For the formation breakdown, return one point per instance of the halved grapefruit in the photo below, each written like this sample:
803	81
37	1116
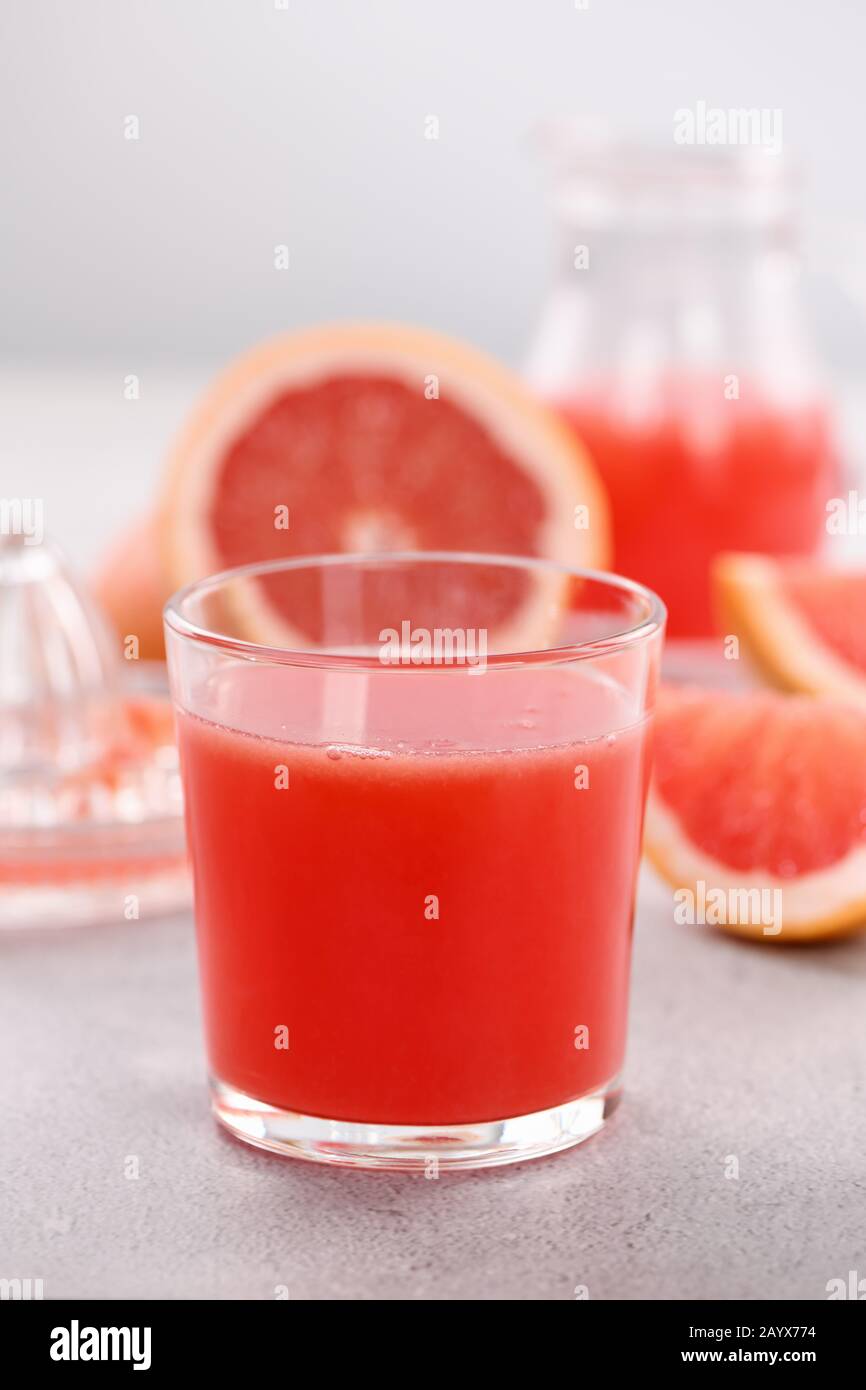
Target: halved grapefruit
130	586
375	438
801	622
762	792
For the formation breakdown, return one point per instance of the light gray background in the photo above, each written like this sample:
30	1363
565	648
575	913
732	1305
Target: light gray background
305	126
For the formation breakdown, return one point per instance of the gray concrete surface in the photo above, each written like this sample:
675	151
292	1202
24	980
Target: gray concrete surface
735	1050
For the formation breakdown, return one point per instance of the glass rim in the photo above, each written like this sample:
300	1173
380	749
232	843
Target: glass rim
634	634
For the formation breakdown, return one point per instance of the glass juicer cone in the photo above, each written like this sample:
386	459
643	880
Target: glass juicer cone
91	824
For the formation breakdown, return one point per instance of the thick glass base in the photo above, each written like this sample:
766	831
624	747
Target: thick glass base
428	1149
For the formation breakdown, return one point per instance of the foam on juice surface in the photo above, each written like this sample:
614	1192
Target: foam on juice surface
379	714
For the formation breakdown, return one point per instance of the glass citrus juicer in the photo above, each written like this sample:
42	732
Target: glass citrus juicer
91	825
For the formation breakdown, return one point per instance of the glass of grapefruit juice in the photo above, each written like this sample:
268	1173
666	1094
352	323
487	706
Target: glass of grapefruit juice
414	793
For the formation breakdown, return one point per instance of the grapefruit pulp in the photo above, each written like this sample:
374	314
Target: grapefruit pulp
763	791
375	438
802	623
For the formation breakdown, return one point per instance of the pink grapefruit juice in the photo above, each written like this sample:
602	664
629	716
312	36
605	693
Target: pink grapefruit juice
702	475
438	930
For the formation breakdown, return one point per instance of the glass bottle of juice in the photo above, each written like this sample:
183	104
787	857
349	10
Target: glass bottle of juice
673	341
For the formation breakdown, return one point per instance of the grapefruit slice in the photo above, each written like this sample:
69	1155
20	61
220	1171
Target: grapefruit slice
371	438
802	623
762	791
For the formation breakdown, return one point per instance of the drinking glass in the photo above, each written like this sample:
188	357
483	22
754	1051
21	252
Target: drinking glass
414	789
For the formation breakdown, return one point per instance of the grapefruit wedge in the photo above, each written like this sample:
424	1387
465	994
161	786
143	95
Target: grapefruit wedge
371	438
758	807
802	623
